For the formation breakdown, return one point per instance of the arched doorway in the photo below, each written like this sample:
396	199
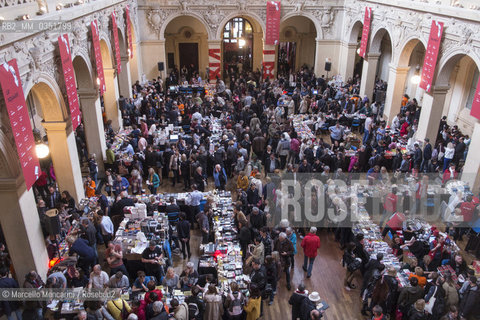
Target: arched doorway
356	38
400	79
238	46
46	101
376	67
186	47
297	44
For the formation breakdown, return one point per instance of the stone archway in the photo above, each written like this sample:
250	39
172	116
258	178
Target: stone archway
411	54
61	138
297	45
376	64
186	43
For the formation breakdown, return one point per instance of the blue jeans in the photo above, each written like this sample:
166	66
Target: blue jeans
18	314
310	264
446	163
366	135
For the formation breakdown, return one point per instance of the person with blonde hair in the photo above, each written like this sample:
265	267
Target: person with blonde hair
422	281
417	311
153	181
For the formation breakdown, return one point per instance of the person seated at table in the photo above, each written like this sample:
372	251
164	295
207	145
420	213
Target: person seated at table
118	280
98	278
422	281
76	278
152	288
188	277
141	282
56	280
170	280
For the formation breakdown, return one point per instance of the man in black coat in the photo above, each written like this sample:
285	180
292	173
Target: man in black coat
372	265
271	163
427	155
258	275
417	156
459	151
183	232
469	304
296	300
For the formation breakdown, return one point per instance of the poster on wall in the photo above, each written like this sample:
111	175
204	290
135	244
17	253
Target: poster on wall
365	32
273	23
117	43
98	57
475	112
268	69
19	121
69	76
431	55
129	31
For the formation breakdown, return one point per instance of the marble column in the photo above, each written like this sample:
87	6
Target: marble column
395	90
110	99
152	52
94	130
125	79
63	150
348	60
432	109
214	60
471	169
21	227
369	72
269	66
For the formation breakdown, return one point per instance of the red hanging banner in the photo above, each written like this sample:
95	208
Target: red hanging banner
273	22
129	31
117	43
98	56
365	32
69	76
431	55
475	112
19	121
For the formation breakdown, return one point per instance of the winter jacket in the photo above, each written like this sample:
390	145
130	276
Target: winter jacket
310	245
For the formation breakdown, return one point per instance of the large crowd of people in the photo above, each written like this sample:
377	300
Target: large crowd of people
257	142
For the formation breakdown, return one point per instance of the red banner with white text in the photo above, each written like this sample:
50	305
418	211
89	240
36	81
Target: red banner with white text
117	43
273	22
129	31
365	32
431	55
98	56
475	112
69	76
268	69
19	121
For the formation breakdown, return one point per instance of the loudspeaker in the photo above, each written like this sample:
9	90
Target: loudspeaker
328	66
52	222
161	66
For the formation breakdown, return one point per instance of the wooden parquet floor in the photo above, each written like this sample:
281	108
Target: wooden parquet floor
327	280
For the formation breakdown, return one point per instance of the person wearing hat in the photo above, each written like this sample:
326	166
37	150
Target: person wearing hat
309	304
296	300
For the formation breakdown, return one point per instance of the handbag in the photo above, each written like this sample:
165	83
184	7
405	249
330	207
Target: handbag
354	265
170	174
429	305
